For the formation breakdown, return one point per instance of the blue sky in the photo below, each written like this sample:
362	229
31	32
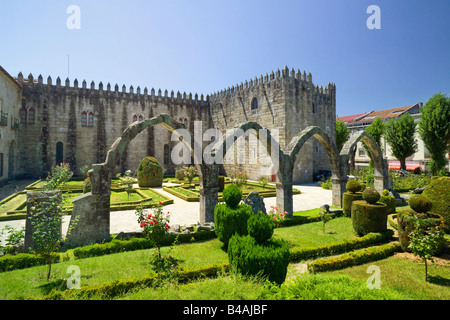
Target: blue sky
205	46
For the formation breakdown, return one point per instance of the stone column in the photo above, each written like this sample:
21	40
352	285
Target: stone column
209	188
337	191
284	198
38	199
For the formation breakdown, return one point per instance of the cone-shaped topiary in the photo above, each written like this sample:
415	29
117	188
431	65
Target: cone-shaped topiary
420	203
232	195
371	195
353	186
150	173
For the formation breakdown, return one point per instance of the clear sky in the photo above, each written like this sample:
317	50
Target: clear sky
203	46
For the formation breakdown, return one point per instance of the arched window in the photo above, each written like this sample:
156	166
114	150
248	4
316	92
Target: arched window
166	154
91	119
23	115
313	107
185	122
254	104
180	120
30	116
141	118
135	118
84	119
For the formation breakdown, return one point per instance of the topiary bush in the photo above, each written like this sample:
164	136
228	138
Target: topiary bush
388	200
260	227
228	221
371	195
367	218
269	259
420	203
353	186
179	174
150	173
438	192
347	200
232	195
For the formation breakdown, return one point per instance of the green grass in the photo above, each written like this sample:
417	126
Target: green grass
311	234
14	203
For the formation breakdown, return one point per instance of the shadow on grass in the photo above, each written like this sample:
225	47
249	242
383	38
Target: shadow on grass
441	281
59	285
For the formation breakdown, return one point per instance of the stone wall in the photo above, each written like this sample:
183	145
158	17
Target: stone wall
59	118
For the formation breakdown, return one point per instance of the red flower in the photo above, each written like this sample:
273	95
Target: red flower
143	223
160	203
151	222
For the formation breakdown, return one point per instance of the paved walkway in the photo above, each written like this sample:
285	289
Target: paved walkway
312	196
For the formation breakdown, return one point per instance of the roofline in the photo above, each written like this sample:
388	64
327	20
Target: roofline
11	77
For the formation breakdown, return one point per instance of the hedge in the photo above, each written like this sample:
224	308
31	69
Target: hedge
354	258
24	260
116	246
114	289
339	247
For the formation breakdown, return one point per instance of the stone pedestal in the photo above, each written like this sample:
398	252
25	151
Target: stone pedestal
284	198
36	199
90	220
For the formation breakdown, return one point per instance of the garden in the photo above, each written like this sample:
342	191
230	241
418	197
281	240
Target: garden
374	251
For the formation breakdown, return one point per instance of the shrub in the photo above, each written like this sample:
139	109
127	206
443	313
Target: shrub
389	201
260	227
179	174
420	203
438	192
150	173
232	195
353	186
367	218
228	221
270	259
371	195
347	200
87	185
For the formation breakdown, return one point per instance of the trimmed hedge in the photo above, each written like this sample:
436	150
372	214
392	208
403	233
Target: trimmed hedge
334	248
347	200
249	257
354	258
116	246
24	260
114	289
228	221
367	218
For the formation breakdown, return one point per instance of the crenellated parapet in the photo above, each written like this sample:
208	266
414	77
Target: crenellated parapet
299	79
110	92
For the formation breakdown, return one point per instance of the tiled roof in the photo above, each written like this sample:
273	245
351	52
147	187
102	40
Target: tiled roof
385	114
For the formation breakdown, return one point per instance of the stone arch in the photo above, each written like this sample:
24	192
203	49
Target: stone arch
381	175
284	186
91	212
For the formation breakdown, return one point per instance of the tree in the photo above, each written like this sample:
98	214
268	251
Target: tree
342	134
399	134
434	129
376	131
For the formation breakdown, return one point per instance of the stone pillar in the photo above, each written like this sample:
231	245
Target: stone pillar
337	191
90	220
38	199
284	198
209	189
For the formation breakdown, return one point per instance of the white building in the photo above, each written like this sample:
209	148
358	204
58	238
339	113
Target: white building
359	122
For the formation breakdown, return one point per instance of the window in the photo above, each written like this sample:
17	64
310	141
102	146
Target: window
23	115
254	105
91	119
135	118
185	121
166	154
361	152
141	118
59	153
84	119
313	107
30	116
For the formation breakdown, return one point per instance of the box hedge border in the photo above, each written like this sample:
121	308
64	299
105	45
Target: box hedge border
354	258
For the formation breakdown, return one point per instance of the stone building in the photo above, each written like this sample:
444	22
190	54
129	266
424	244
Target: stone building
77	123
10	101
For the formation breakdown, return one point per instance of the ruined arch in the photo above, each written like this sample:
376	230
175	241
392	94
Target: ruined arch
381	176
90	221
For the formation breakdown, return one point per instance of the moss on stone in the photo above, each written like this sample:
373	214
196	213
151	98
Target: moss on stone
150	173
